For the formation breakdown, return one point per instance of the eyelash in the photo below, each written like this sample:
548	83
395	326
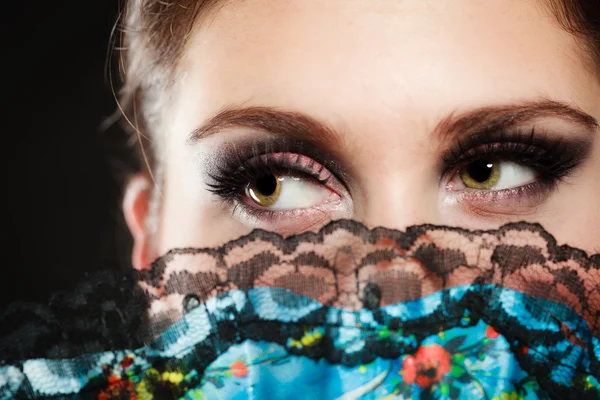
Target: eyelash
551	159
238	167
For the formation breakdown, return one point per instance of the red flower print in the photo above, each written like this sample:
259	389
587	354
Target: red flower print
239	369
491	333
118	388
126	362
428	365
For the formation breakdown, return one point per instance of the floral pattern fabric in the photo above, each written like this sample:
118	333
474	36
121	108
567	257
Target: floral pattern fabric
248	345
433	312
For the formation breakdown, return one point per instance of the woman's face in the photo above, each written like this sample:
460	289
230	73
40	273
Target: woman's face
288	114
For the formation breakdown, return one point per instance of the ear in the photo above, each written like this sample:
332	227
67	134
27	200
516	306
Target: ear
136	206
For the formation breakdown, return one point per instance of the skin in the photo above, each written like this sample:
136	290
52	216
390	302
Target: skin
384	76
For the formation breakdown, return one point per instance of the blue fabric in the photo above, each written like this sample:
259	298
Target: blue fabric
469	342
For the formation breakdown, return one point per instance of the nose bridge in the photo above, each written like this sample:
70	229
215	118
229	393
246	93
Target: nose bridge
396	168
400	195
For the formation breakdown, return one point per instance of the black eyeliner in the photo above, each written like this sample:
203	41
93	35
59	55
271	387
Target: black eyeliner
238	164
551	157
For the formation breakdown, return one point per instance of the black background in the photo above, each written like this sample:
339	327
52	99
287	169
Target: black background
60	168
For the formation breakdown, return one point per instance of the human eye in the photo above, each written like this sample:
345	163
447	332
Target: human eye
497	172
490	174
276	182
278	191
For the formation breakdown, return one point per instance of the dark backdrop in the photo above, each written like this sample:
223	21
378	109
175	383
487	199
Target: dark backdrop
62	212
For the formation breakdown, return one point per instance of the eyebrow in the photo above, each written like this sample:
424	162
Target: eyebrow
494	118
296	125
288	124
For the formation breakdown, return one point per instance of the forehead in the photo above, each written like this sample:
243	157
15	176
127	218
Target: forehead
385	57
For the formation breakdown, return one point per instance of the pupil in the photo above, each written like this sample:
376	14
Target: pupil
480	170
267	185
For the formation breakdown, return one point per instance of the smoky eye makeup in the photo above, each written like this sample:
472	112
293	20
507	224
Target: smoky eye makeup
500	171
273	177
504	167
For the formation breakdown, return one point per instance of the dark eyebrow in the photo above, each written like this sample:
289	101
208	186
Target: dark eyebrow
296	125
495	118
291	125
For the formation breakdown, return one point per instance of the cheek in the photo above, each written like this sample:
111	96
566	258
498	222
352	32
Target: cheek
582	232
187	215
576	216
572	215
194	222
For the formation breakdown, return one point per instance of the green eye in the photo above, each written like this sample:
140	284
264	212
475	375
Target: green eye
481	174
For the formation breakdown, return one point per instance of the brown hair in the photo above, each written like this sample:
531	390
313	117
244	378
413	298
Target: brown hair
154	32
